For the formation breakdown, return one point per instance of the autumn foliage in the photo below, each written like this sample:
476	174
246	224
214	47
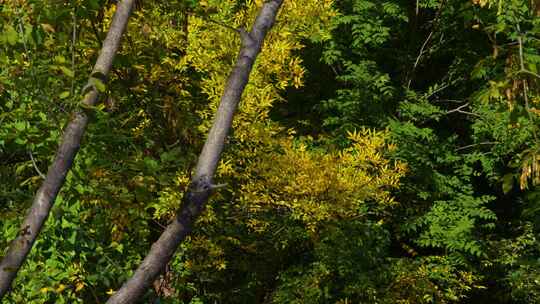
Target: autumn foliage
382	151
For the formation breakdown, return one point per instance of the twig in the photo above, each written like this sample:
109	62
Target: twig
21	29
421	52
218	186
459	110
220	23
93	291
527	107
438	90
529	72
96	32
172	145
159	224
279	230
29	58
418	58
73	40
478	144
35	165
525	86
449	100
334	69
520	43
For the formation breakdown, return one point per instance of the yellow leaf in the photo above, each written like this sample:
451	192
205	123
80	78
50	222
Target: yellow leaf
48	28
60	288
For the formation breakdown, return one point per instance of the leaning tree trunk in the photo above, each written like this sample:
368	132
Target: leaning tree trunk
201	184
71	140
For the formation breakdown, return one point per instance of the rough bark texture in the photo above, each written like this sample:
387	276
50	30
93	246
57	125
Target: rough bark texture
201	185
71	140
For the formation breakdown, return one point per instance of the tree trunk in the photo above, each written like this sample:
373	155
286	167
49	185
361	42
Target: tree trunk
71	140
201	184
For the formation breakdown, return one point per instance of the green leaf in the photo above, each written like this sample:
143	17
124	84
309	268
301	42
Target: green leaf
80	189
99	107
72	237
10	35
43	116
59	59
69	73
66	224
64	95
151	164
19	125
100	85
21	168
21	141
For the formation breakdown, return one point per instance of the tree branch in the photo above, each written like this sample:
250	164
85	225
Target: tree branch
223	24
459	110
73	41
529	73
450	100
525	85
69	146
428	39
201	184
478	144
96	32
35	165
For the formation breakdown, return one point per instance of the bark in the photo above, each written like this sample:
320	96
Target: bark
69	146
201	185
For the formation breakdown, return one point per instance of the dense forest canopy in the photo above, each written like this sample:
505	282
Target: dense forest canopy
383	151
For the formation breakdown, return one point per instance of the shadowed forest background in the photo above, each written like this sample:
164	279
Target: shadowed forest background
384	151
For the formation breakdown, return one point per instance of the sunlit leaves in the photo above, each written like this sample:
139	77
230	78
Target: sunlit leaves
9	36
316	187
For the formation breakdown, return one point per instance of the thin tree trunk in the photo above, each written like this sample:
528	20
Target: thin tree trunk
201	184
71	140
